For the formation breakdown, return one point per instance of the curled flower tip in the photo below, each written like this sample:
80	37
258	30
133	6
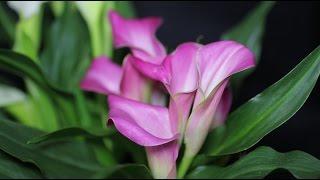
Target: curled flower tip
138	35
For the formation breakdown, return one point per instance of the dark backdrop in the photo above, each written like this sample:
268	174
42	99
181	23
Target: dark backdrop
292	32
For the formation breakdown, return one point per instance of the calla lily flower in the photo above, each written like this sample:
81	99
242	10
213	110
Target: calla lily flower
162	160
196	76
126	88
216	62
94	13
139	36
103	77
223	108
144	124
202	71
178	72
26	8
149	126
108	78
28	28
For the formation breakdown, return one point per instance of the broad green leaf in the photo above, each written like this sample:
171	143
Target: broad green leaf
125	171
251	29
26	113
250	33
10	95
37	110
72	132
260	162
25	44
103	151
203	159
44	108
27	36
7	23
23	66
266	111
11	168
60	160
66	54
94	135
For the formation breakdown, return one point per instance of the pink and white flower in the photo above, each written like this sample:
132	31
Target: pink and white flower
196	78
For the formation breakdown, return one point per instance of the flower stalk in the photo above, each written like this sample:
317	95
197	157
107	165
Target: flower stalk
184	166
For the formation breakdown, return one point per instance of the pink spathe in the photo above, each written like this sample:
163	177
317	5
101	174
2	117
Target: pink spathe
195	76
138	35
216	63
103	77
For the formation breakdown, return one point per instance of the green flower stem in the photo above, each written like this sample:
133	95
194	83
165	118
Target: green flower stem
184	165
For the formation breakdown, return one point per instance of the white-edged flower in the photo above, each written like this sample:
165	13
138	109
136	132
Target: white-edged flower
25	8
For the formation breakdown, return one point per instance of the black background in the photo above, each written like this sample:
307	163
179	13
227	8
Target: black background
292	32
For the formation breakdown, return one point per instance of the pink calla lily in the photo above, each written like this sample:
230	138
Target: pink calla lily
223	108
106	77
133	84
162	160
144	124
149	126
128	88
196	76
178	72
103	77
216	62
138	35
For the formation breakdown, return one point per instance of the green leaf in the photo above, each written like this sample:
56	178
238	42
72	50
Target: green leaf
10	95
250	33
28	35
260	163
62	134
7	23
125	171
59	160
11	168
37	110
23	66
250	30
26	113
266	111
44	109
66	55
